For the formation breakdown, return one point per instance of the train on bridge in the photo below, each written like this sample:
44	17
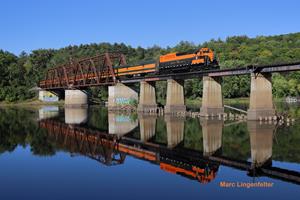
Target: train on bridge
202	59
110	68
101	69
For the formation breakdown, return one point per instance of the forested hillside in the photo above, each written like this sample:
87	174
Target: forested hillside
20	73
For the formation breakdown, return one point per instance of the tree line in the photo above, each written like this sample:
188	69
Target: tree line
18	74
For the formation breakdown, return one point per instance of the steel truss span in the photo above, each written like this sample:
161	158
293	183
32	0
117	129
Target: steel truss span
92	71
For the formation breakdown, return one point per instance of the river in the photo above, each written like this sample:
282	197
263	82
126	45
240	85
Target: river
89	153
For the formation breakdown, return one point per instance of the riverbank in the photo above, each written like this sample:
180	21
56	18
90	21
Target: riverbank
243	100
31	102
189	102
198	101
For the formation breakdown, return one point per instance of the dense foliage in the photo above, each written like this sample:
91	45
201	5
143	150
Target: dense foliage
18	74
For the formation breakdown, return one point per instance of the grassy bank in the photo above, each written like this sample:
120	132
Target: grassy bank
244	100
30	102
189	102
197	102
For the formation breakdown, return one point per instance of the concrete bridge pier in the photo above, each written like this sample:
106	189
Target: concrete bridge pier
212	135
175	130
76	98
147	127
261	141
49	96
175	97
261	102
121	97
212	99
147	101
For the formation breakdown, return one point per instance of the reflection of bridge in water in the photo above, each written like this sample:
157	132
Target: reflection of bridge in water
111	147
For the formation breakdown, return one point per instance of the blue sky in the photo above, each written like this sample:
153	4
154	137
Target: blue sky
34	24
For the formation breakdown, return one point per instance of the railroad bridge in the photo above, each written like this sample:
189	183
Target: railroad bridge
111	69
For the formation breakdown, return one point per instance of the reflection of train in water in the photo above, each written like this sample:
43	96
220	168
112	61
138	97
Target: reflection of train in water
109	150
204	173
199	60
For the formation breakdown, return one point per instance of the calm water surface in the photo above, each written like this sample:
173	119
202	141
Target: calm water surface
89	153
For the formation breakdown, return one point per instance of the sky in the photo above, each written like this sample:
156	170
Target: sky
35	24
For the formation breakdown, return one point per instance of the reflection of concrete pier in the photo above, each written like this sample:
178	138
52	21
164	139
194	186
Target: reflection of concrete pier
212	135
121	124
76	115
175	130
261	139
147	126
47	112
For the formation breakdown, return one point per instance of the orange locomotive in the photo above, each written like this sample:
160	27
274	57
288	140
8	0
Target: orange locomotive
204	57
